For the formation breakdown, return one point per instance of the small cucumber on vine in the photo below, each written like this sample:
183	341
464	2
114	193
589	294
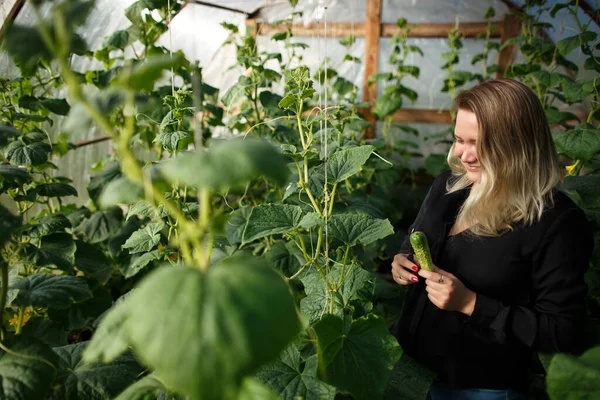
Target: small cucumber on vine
418	241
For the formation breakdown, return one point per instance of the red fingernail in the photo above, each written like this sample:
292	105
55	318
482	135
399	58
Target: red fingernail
414	279
415	268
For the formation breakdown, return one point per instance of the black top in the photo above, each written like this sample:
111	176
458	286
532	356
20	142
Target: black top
530	294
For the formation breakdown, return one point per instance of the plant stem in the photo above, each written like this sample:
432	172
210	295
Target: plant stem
20	320
4	272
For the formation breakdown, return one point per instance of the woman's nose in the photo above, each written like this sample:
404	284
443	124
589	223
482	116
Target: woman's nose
468	156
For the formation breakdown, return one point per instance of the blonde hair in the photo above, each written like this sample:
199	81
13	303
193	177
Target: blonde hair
519	165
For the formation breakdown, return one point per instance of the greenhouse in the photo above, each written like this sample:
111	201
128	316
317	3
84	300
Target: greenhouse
300	199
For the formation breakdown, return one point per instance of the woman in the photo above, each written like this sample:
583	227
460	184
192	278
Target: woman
511	249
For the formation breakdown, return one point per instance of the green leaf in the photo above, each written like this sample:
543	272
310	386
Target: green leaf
236	225
120	191
174	141
252	389
514	70
8	223
358	287
233	94
574	378
271	219
436	163
582	143
343	86
50	224
99	181
51	291
287	102
144	75
145	209
78	380
291	378
56	249
286	257
567	45
358	356
587	187
215	347
353	229
409	380
57	106
117	40
55	189
138	263
387	104
147	388
218	169
555	116
572	91
92	261
28	370
144	239
7	132
345	163
548	79
28	150
269	99
102	225
47	331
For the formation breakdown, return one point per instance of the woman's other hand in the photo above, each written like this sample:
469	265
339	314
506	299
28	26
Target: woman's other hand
447	292
401	270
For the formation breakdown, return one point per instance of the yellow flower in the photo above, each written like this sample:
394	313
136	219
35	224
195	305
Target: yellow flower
14	321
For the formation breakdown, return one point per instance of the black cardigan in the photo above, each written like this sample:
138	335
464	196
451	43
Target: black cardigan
530	294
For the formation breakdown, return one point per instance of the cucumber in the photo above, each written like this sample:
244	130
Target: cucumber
418	241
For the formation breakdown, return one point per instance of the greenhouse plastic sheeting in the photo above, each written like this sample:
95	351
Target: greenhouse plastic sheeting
435	11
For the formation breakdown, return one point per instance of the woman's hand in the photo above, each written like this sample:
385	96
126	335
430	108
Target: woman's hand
401	267
447	292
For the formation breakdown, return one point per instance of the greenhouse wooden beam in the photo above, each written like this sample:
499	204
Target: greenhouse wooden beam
423	115
343	29
10	18
438	30
372	34
510	29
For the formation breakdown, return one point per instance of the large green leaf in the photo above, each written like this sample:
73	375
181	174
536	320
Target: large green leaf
8	223
120	191
173	141
345	163
28	370
138	263
78	380
7	132
28	150
357	289
228	322
253	389
51	291
81	316
574	378
98	182
148	388
410	380
55	249
572	91
292	378
102	225
353	229
50	224
144	75
582	143
144	239
236	224
92	261
387	104
567	45
587	187
47	331
286	257
55	189
227	164
271	219
11	173
358	356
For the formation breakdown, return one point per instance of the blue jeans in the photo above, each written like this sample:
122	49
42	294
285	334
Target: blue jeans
439	391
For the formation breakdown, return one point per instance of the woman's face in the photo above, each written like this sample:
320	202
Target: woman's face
466	132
